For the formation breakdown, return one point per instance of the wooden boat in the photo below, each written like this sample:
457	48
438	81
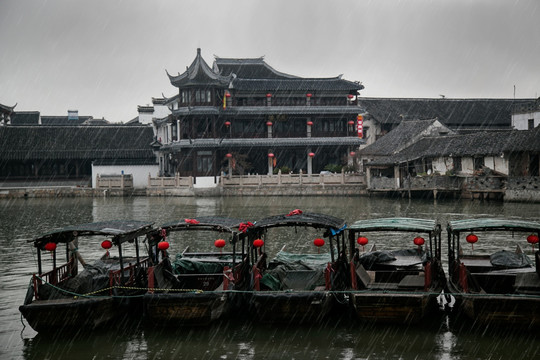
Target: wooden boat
300	290
494	286
65	298
194	287
393	282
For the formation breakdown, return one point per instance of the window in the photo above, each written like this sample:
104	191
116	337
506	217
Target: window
530	124
478	163
457	163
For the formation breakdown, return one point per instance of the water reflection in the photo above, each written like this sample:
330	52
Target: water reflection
22	220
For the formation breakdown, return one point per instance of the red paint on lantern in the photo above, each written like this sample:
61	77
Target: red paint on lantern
228	95
309	95
268	95
227	123
532	239
219	243
310	123
106	244
350	96
269	123
352	153
229	155
350	122
419	241
163	245
362	240
471	238
318	242
270	155
311	154
258	243
50	246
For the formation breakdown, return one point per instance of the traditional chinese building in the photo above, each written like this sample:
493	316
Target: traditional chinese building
243	116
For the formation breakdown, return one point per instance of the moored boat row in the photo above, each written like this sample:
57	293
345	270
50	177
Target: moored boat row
387	270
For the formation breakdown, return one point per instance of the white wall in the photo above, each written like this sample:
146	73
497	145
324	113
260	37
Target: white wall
521	121
496	163
139	172
467	166
442	165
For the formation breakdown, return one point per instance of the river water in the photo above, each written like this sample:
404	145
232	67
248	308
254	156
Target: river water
441	338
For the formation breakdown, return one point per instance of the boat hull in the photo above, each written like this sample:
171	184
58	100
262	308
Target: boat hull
289	307
69	314
185	308
507	310
394	308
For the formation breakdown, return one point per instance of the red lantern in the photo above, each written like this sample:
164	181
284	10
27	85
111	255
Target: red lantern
310	123
419	241
318	242
106	244
532	239
228	155
352	153
471	238
270	155
163	245
268	95
228	94
258	243
219	243
309	95
311	154
362	240
350	96
50	246
227	123
269	123
350	122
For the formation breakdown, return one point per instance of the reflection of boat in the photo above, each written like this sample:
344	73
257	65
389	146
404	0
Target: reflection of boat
193	288
396	286
501	287
64	298
297	287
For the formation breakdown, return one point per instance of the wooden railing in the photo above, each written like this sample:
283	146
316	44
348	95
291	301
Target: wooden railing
55	276
115	276
114	181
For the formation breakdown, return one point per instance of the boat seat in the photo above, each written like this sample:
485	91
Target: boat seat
412	282
527	282
301	279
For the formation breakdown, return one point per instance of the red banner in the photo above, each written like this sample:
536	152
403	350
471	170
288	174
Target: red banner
360	126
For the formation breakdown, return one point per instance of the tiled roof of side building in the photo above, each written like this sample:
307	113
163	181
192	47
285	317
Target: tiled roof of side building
63	120
25	118
75	142
454	113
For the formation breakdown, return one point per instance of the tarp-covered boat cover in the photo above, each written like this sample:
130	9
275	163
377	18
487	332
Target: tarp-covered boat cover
511	260
189	265
299	218
119	231
493	224
215	223
396	224
289	271
373	258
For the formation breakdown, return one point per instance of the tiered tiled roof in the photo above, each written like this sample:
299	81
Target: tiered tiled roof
299	84
255	68
75	142
199	73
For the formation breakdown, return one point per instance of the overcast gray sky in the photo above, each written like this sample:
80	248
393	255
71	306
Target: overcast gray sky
105	57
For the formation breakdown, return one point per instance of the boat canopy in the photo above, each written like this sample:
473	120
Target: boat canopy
214	223
396	224
485	224
120	231
298	218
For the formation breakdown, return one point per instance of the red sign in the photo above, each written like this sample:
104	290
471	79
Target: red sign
360	126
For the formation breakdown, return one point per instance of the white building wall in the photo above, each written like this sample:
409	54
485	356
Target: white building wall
442	165
139	173
467	166
496	163
161	111
521	121
145	117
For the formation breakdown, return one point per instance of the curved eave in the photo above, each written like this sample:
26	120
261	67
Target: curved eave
261	143
269	110
317	221
458	226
